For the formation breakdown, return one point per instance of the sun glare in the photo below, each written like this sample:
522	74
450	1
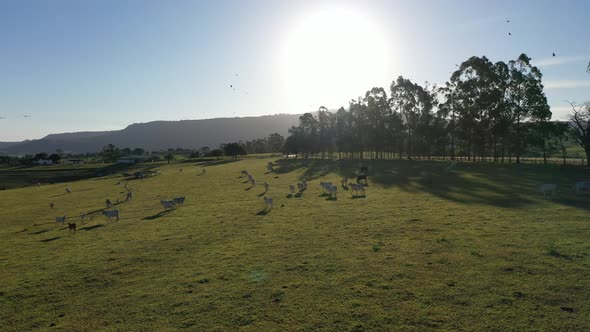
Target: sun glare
333	55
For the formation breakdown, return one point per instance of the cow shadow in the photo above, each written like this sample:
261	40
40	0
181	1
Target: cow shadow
39	232
331	198
157	215
89	228
51	239
262	194
263	212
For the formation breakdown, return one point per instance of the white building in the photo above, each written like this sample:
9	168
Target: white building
44	162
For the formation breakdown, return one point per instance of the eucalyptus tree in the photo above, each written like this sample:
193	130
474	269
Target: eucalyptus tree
377	107
524	88
580	127
412	101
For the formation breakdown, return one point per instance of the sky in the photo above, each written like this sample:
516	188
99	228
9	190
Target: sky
81	65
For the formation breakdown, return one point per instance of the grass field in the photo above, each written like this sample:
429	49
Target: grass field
476	248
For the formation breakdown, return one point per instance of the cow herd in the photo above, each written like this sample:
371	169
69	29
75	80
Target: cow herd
113	214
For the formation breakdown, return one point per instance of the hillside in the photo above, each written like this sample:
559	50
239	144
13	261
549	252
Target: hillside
159	135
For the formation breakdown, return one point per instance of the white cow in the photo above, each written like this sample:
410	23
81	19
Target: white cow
168	204
268	203
111	214
332	190
68	190
178	200
358	188
60	220
548	188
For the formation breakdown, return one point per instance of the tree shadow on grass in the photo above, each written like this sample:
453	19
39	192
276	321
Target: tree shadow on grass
51	239
157	215
89	228
495	184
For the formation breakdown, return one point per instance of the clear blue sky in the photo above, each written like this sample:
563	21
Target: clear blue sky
98	65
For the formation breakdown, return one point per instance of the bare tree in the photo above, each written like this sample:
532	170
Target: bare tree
580	126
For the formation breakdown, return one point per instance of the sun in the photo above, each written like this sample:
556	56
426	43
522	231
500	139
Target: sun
333	55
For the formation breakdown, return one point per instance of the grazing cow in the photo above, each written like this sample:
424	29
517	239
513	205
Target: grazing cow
68	190
178	200
244	172
548	188
304	181
332	190
582	186
357	188
111	214
268	203
51	205
362	179
291	189
326	186
108	203
72	227
266	185
301	187
344	182
60	220
252	182
129	196
168	204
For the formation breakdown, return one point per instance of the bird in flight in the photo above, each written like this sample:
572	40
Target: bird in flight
507	21
509	34
588	70
553	54
27	116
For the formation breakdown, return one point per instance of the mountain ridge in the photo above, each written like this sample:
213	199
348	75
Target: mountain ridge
160	134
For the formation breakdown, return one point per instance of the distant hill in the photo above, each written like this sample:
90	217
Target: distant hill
159	135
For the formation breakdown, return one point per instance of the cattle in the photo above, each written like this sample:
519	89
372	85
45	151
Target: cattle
270	167
357	188
301	187
51	205
361	179
68	190
60	220
344	182
548	188
72	227
180	170
108	203
252	182
332	190
178	200
268	203
291	189
129	196
326	186
204	171
304	181
244	172
168	204
111	214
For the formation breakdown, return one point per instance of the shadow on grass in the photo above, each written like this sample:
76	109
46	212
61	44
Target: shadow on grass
157	215
262	194
89	228
51	239
40	232
263	212
495	184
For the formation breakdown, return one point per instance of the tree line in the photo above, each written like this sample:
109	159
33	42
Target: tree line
484	111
